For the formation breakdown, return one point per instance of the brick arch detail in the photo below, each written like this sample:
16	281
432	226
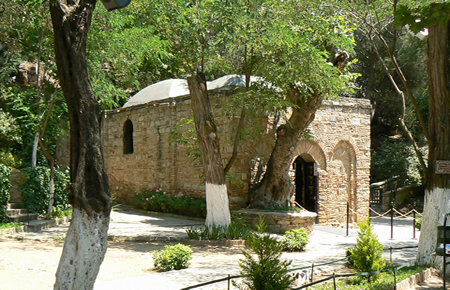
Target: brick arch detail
349	161
314	149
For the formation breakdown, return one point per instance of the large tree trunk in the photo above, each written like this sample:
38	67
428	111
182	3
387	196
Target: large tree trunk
276	189
86	240
217	207
437	192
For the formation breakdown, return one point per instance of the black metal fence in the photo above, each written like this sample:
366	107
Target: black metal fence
333	277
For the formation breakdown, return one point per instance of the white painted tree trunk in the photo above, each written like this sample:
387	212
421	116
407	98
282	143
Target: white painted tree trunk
84	250
34	152
217	208
437	204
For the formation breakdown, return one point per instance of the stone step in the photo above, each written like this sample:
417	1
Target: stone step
23	217
17	211
39	225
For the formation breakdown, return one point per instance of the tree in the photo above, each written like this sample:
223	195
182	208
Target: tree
436	18
191	27
86	241
304	59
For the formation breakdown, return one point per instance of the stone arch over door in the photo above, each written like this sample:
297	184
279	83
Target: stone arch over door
309	158
344	154
313	149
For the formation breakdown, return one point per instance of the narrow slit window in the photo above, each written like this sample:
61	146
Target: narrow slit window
128	137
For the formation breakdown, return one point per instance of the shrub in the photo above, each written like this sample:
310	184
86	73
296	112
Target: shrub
35	190
366	255
172	257
158	200
268	271
419	223
295	240
5	184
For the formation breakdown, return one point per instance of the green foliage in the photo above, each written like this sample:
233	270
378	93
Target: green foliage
10	225
5	184
9	130
396	159
268	270
384	280
35	190
158	200
366	255
172	257
423	15
419	223
59	213
237	230
295	240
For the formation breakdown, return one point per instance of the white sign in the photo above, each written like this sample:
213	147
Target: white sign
442	167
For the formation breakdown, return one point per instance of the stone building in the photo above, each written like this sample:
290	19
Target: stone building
331	167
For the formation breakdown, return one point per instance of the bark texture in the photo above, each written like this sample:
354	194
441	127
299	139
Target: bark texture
437	192
276	189
209	144
86	240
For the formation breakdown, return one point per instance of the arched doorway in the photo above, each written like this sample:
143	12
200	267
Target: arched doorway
306	182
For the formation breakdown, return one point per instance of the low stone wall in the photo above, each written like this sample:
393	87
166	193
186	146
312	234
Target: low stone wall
278	221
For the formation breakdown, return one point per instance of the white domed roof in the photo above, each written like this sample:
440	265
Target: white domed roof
172	88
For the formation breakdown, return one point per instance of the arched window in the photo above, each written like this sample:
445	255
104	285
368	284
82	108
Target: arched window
128	137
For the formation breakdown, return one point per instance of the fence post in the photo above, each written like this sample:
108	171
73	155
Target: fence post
392	220
414	221
348	216
334	281
390	254
229	280
312	272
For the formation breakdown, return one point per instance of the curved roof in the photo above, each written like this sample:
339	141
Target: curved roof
172	88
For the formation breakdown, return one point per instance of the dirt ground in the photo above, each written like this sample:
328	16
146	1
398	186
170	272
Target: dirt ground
31	264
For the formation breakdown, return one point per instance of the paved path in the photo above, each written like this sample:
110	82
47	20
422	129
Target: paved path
326	244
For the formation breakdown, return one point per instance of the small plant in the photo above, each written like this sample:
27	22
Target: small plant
419	223
10	225
268	270
238	229
172	257
295	240
366	255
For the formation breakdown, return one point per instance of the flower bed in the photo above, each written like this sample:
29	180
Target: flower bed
158	200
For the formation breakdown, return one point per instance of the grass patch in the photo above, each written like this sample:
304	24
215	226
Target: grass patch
10	225
237	230
383	281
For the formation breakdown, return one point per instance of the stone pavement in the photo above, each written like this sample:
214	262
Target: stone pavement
326	244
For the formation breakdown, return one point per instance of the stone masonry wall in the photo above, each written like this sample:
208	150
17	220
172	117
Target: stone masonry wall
340	146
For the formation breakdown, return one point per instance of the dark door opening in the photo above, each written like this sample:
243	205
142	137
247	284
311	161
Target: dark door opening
306	184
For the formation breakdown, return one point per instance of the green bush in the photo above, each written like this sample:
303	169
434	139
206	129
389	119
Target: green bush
158	200
5	184
366	255
172	257
295	240
35	190
268	270
419	223
237	230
